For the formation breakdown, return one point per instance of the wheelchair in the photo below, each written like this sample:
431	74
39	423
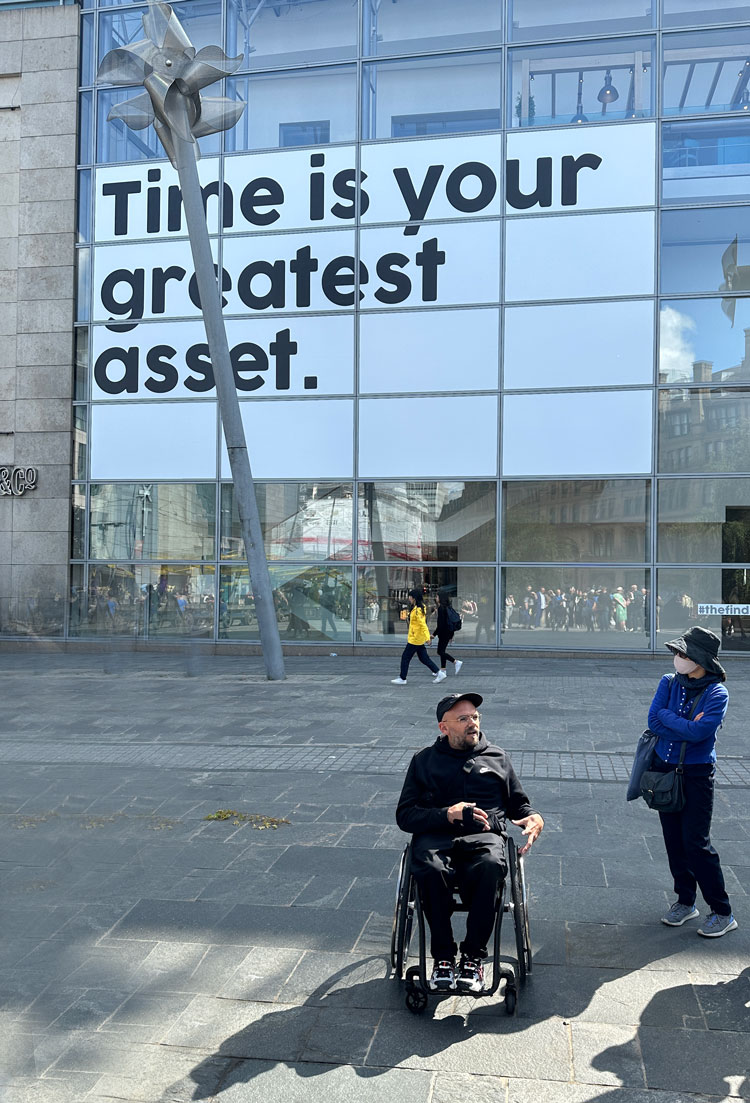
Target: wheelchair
409	915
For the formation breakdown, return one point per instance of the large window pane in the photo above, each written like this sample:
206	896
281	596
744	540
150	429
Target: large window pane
148	602
291	33
152	521
691	13
417	25
578	345
704	521
682	592
298	108
443	95
299	521
312	603
578	433
532	20
704	340
600	608
382	601
706	71
577	522
595	81
35	604
705	160
123	26
705	250
80	441
450	521
78	523
706	429
117	142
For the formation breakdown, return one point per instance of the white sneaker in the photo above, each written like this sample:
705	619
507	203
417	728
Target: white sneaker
398	681
440	677
457	665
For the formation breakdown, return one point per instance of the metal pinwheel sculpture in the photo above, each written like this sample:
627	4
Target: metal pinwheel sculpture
173	74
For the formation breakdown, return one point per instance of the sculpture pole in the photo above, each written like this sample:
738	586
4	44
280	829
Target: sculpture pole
173	73
229	408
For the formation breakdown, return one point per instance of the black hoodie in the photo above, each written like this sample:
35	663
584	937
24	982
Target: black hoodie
439	777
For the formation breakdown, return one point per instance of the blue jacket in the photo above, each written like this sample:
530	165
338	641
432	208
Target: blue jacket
668	714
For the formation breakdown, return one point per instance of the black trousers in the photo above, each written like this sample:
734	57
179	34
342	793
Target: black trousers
442	644
420	651
693	862
477	865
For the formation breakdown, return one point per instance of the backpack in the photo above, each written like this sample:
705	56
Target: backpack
454	620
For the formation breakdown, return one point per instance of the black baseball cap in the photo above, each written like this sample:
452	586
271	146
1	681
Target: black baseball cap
453	699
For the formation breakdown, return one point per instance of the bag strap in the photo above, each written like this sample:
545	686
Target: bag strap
693	711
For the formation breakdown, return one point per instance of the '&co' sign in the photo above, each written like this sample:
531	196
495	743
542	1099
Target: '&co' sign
15	481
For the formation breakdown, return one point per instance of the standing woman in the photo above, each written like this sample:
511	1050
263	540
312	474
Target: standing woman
418	636
444	634
695	689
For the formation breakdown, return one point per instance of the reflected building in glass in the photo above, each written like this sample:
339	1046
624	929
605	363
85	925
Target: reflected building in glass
486	278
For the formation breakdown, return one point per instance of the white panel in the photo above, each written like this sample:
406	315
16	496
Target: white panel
291	439
301	184
322	363
444	264
588	256
400	190
613	183
123	215
589	433
414	351
579	344
166	440
417	438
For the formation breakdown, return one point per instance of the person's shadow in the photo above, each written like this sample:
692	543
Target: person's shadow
345	1021
691	1040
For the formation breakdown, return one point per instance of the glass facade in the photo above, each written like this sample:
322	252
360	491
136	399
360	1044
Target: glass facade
475	350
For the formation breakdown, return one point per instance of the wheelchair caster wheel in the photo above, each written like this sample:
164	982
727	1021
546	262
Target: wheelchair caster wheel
416	1000
510	1000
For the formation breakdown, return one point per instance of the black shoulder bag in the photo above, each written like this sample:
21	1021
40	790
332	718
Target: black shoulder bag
665	792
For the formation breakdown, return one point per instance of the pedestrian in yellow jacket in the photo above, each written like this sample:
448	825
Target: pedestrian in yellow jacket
418	636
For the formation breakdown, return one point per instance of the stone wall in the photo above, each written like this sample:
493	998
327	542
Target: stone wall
38	117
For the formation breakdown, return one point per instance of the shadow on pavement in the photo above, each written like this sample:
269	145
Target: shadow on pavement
365	1026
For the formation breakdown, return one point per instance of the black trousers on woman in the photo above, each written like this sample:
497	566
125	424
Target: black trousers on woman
693	862
442	643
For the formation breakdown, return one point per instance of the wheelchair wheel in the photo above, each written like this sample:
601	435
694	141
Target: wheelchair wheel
403	919
416	999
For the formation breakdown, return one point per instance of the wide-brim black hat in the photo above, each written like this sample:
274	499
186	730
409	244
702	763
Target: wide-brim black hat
702	646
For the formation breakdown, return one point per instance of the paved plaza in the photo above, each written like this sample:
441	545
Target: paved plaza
151	954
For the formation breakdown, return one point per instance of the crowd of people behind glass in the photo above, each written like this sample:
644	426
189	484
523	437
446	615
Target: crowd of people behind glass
624	609
318	606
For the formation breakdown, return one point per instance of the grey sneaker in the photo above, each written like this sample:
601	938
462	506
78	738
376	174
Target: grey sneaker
714	925
679	914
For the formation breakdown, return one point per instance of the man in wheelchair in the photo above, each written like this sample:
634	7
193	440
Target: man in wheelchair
454	802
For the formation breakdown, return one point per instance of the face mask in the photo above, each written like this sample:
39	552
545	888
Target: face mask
684	666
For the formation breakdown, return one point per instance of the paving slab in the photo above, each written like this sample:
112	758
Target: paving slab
153	955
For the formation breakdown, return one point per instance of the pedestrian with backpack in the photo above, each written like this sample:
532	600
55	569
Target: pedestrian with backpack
448	623
417	638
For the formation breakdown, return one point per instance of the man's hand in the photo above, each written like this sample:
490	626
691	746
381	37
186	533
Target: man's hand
456	813
532	826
